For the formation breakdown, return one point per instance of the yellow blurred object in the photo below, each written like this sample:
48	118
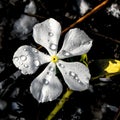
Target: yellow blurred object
113	67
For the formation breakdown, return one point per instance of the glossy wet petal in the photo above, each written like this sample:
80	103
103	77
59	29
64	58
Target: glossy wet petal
76	42
75	74
28	59
46	87
47	34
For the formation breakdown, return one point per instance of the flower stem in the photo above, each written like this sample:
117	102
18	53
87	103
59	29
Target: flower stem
101	5
60	104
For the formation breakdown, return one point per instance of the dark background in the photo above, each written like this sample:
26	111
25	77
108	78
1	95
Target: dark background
100	102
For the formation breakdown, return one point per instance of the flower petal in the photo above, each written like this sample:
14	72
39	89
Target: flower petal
75	74
47	34
28	59
76	43
46	87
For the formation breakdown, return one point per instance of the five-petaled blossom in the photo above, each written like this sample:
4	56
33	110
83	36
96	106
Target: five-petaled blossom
46	86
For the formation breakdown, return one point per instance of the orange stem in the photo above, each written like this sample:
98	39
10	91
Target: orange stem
86	15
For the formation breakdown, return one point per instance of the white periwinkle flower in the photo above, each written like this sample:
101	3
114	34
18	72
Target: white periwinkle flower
46	86
24	24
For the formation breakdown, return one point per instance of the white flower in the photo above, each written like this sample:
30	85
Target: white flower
114	10
46	86
23	26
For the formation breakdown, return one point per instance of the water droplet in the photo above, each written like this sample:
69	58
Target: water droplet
61	65
65	73
76	78
51	69
25	49
35	51
53	47
26	66
66	53
21	63
23	58
16	58
72	74
79	81
46	82
48	73
50	34
37	63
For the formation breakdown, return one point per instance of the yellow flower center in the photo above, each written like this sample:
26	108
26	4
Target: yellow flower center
54	58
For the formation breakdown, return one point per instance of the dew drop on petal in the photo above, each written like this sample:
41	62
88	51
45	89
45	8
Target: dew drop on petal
53	47
65	53
79	81
61	65
46	82
48	73
35	51
51	69
72	74
16	58
25	49
76	78
37	63
23	58
26	66
21	63
65	73
50	34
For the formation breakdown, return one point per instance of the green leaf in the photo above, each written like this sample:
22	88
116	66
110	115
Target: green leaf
104	68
